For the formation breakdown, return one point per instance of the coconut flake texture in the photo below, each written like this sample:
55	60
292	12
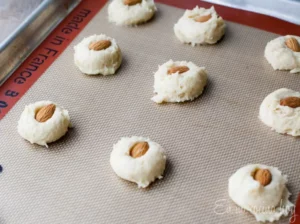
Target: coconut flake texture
142	170
187	30
281	57
178	87
282	119
92	62
42	133
122	14
267	203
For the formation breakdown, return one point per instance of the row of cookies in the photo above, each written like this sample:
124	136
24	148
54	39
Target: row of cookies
197	26
204	26
257	188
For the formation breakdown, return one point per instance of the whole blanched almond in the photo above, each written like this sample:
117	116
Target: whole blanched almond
131	2
263	176
291	101
99	45
139	149
293	44
45	113
179	69
202	19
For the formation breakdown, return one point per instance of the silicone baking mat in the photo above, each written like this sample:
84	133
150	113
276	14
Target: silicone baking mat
206	140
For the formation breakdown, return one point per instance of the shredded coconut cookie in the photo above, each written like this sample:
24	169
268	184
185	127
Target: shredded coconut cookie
283	53
43	122
261	190
98	54
280	110
200	26
178	82
138	159
131	12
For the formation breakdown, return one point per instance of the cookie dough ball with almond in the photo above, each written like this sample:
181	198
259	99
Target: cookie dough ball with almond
283	53
43	122
200	26
138	159
280	110
131	12
98	54
261	190
178	81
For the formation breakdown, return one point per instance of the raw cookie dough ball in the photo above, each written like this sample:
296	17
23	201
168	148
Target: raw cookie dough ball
138	160
178	82
280	110
43	122
200	26
260	190
283	53
131	12
98	54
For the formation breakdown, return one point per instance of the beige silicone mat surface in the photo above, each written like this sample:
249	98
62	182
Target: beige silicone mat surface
206	140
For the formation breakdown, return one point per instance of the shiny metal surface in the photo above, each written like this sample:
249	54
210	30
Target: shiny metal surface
35	28
288	10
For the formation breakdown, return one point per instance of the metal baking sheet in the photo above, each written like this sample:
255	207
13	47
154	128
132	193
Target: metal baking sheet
206	140
283	9
30	33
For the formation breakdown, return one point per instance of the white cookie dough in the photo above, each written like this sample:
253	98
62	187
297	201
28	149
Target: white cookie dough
123	14
281	118
281	57
94	62
177	87
141	170
266	203
188	30
42	133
